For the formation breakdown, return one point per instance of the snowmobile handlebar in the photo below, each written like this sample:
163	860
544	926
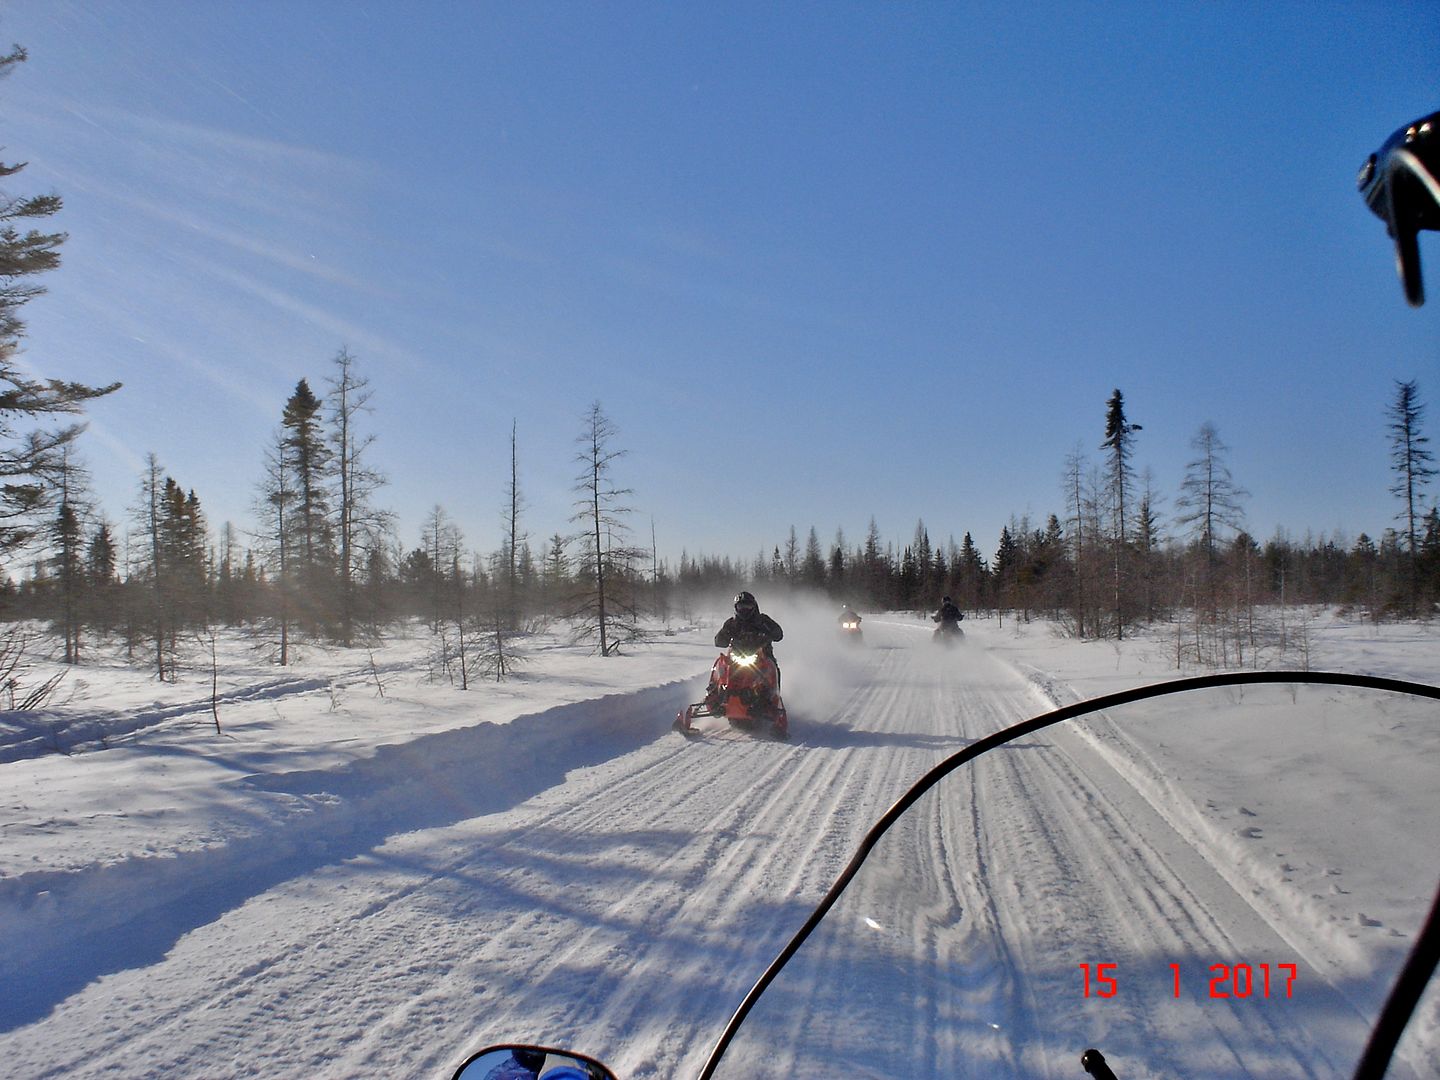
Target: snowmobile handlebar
749	645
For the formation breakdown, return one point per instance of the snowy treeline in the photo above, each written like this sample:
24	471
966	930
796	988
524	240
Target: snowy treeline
1110	559
323	561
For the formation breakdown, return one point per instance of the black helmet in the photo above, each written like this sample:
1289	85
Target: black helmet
946	600
745	604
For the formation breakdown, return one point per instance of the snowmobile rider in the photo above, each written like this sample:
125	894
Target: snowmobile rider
749	628
948	613
848	615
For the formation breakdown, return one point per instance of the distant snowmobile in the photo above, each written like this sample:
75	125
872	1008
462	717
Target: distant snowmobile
745	689
949	616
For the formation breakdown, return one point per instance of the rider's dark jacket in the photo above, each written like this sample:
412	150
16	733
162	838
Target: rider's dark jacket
948	613
758	632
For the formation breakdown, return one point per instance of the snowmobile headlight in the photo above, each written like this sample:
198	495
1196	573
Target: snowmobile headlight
745	659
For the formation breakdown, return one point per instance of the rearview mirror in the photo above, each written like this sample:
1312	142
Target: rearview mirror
524	1062
1398	182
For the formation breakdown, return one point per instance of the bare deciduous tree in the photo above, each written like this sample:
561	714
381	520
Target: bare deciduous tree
513	539
607	610
359	524
274	505
1209	501
148	513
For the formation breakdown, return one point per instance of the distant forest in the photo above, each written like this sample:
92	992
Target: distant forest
322	561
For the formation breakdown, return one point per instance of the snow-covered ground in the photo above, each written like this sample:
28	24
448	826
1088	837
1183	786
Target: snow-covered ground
364	873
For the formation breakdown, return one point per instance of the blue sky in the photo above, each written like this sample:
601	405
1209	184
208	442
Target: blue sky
818	262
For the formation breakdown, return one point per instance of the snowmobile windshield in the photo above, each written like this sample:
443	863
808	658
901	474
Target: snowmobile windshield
1219	882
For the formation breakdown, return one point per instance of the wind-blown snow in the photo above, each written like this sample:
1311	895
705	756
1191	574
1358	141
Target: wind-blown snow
367	874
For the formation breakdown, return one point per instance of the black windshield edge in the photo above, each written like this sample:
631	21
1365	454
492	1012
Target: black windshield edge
1409	986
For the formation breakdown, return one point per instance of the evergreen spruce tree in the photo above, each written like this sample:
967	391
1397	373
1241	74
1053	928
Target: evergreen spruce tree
67	545
526	572
184	549
1429	562
837	572
1363	565
307	458
376	603
909	583
792	557
1414	467
924	564
67	541
555	574
874	570
1055	567
1006	569
101	584
31	448
939	576
812	570
1147	549
1119	439
419	583
971	575
228	598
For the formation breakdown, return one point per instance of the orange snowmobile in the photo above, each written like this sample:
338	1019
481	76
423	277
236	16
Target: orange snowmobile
745	689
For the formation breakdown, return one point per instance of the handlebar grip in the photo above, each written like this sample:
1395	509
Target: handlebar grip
1094	1063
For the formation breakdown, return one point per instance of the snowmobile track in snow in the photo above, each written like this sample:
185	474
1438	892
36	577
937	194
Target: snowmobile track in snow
584	879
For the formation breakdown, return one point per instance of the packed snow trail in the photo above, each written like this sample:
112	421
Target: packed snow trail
625	909
1036	833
